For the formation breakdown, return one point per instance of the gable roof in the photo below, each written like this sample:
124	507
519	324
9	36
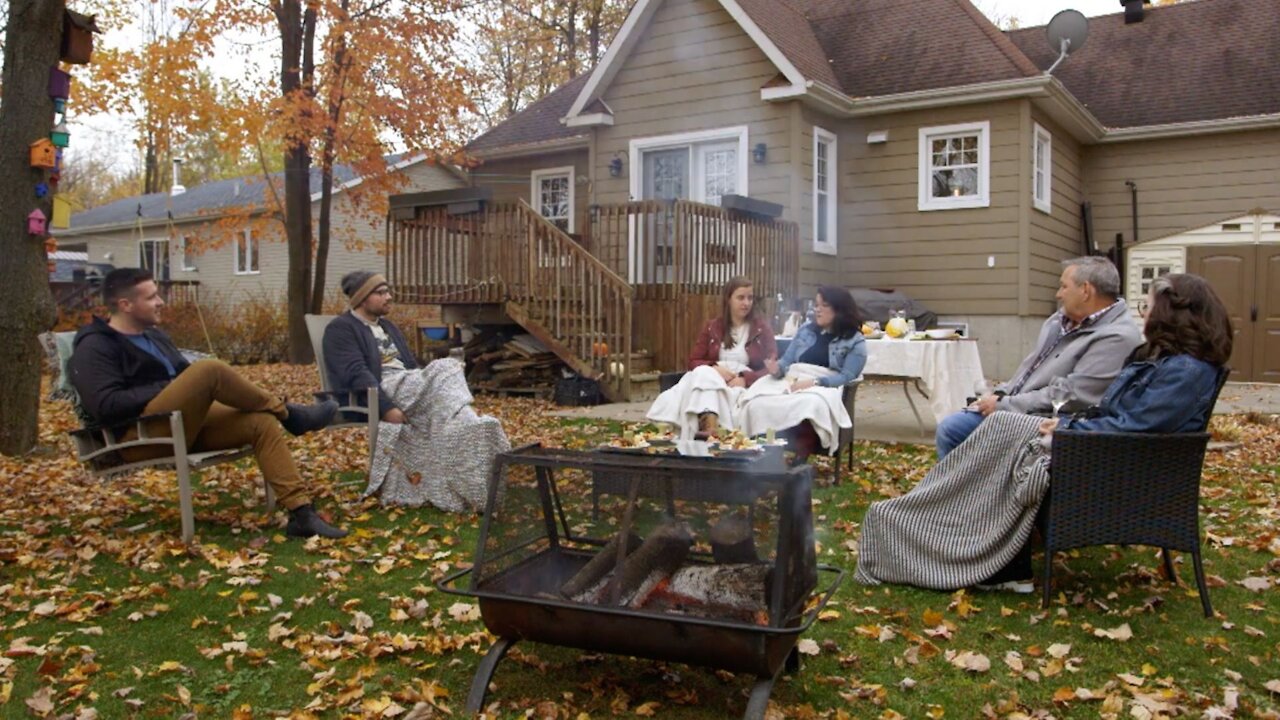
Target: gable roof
1188	62
538	123
207	199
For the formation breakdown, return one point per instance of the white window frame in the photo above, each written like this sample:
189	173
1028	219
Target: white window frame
980	199
535	190
182	255
639	146
824	137
249	238
1042	202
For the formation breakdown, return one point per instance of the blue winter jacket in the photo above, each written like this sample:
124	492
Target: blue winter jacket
1165	395
847	356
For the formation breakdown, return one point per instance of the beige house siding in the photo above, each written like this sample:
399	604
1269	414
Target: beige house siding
1055	236
693	69
356	243
1183	183
510	180
816	268
939	257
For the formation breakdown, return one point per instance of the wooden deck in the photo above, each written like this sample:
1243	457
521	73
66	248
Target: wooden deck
645	276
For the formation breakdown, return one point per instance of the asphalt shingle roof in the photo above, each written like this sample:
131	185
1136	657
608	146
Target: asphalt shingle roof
540	122
205	199
1199	60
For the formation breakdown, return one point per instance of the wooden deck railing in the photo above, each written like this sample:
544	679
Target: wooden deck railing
669	249
508	253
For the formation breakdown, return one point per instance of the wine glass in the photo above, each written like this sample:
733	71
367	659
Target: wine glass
1060	394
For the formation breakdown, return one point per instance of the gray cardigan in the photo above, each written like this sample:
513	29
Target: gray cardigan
1090	358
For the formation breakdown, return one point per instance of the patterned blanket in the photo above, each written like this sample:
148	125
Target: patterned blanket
444	454
967	518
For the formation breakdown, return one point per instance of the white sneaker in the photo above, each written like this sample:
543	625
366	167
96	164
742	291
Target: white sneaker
1021	587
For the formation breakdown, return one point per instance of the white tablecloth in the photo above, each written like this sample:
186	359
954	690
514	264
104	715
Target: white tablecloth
949	369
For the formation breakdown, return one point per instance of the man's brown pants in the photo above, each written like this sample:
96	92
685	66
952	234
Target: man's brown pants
222	411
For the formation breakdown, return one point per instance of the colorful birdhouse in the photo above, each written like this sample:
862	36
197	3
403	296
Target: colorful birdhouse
42	189
61	219
60	136
36	224
59	83
44	154
77	37
50	245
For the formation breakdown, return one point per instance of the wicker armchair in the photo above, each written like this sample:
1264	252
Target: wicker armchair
1112	488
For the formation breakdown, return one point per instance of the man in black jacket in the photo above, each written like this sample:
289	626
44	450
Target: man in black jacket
125	367
360	344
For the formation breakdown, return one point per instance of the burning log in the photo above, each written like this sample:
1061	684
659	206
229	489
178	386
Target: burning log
663	552
732	541
717	591
599	566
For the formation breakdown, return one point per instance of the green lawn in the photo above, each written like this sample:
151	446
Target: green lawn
102	608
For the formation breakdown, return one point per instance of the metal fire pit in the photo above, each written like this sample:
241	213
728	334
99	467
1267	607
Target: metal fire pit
541	531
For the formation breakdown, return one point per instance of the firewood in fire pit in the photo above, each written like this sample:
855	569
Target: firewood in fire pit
732	541
663	551
598	566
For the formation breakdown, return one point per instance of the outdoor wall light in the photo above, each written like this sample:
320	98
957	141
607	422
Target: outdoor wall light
615	166
758	153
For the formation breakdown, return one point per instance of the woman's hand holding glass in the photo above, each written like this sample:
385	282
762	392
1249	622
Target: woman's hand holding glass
1048	425
771	365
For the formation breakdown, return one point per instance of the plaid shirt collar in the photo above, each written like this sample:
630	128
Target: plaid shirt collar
1068	325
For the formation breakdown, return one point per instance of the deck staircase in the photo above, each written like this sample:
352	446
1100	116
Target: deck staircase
547	283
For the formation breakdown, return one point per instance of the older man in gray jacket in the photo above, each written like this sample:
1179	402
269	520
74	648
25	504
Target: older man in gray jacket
1087	342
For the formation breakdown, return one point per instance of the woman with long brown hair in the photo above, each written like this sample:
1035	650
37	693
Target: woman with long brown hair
969	519
729	355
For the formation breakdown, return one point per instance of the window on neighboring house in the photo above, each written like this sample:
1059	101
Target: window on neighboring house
825	178
1150	273
188	255
552	191
1042	168
246	253
153	255
955	166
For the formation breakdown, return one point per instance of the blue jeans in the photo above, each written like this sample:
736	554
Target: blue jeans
954	429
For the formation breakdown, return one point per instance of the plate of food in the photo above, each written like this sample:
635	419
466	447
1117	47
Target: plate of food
632	442
874	335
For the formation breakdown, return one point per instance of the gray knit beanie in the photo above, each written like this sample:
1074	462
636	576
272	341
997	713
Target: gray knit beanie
358	284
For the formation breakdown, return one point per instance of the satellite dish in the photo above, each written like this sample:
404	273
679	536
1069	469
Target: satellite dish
1067	32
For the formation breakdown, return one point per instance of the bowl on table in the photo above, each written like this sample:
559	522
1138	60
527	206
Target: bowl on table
940	333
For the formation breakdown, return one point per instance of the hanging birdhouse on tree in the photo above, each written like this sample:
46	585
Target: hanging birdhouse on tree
42	189
61	213
36	222
59	83
44	154
60	136
77	37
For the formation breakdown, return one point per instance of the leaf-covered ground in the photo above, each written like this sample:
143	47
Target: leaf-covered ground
105	613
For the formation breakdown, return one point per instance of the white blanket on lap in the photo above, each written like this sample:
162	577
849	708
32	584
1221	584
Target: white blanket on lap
700	390
769	403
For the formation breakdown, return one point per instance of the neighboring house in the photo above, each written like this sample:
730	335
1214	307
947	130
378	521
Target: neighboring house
228	253
912	145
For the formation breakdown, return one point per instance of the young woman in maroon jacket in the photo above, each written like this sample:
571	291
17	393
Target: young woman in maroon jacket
730	353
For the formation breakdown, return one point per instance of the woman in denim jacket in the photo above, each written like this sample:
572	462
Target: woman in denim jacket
833	340
969	520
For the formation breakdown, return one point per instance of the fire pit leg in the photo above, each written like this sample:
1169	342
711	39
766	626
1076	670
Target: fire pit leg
484	673
759	701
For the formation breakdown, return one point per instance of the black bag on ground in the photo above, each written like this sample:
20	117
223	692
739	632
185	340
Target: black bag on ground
577	391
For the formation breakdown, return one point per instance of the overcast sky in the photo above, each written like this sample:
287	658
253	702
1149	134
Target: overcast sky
103	134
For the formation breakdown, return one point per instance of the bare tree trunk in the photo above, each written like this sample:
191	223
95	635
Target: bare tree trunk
337	93
26	307
296	40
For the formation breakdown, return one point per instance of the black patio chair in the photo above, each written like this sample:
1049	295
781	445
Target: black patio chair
1111	488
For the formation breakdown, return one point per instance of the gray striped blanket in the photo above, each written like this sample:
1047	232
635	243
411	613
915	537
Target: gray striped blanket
967	518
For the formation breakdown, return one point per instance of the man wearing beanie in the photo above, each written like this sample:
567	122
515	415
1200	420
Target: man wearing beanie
434	448
125	367
361	344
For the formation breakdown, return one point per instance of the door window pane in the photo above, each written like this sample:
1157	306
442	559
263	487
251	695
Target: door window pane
666	174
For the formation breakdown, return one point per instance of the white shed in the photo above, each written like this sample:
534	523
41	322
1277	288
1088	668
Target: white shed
1240	257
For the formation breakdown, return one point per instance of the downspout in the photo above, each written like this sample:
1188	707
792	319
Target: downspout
1133	240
